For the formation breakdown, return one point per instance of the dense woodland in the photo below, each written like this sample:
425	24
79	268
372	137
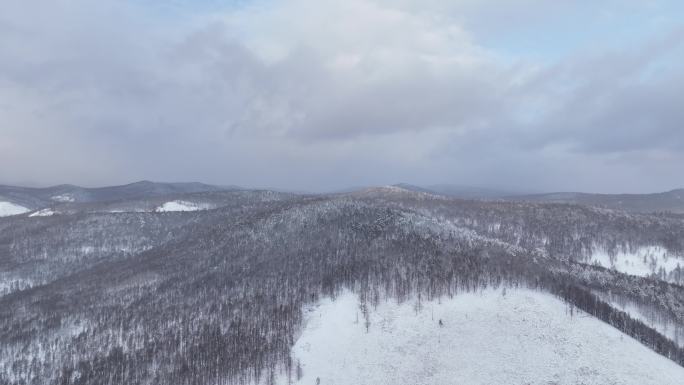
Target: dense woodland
216	296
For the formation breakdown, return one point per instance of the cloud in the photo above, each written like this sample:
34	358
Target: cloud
324	94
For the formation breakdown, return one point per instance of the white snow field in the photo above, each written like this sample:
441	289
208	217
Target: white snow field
64	198
43	213
8	209
524	337
180	206
644	261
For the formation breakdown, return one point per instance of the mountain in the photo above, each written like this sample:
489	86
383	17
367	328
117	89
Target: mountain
231	286
35	198
463	192
672	201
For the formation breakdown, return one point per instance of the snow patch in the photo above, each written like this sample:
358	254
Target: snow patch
43	213
522	337
181	206
64	198
9	284
129	210
8	209
644	261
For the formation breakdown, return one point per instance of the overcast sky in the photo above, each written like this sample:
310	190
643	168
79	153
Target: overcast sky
528	95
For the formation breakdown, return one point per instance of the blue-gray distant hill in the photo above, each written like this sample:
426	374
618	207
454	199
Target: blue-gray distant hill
35	198
670	201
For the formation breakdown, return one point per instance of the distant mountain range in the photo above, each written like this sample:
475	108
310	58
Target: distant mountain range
261	287
34	198
670	201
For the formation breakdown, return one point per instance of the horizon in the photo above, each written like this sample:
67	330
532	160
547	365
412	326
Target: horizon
343	189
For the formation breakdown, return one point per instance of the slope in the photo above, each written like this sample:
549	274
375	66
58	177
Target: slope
490	337
672	201
34	198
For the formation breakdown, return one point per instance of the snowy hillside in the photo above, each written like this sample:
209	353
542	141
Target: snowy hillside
180	206
522	337
233	291
7	209
63	198
43	213
643	261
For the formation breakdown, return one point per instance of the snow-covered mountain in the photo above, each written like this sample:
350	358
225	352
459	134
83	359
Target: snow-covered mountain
234	287
671	201
35	198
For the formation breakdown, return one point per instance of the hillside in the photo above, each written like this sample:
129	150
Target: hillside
672	201
8	209
514	336
456	191
213	287
34	198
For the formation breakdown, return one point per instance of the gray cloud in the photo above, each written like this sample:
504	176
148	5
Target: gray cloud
322	95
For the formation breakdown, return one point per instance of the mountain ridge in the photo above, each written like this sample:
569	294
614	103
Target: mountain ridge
41	197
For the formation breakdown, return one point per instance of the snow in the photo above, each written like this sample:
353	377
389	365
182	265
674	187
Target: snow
180	206
63	198
8	209
524	337
9	284
644	261
130	210
43	213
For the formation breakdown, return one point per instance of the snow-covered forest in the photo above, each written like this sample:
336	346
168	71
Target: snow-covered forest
215	287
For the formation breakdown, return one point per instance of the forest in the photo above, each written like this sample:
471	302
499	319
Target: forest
92	296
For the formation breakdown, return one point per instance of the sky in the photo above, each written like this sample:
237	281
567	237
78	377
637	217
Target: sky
321	95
